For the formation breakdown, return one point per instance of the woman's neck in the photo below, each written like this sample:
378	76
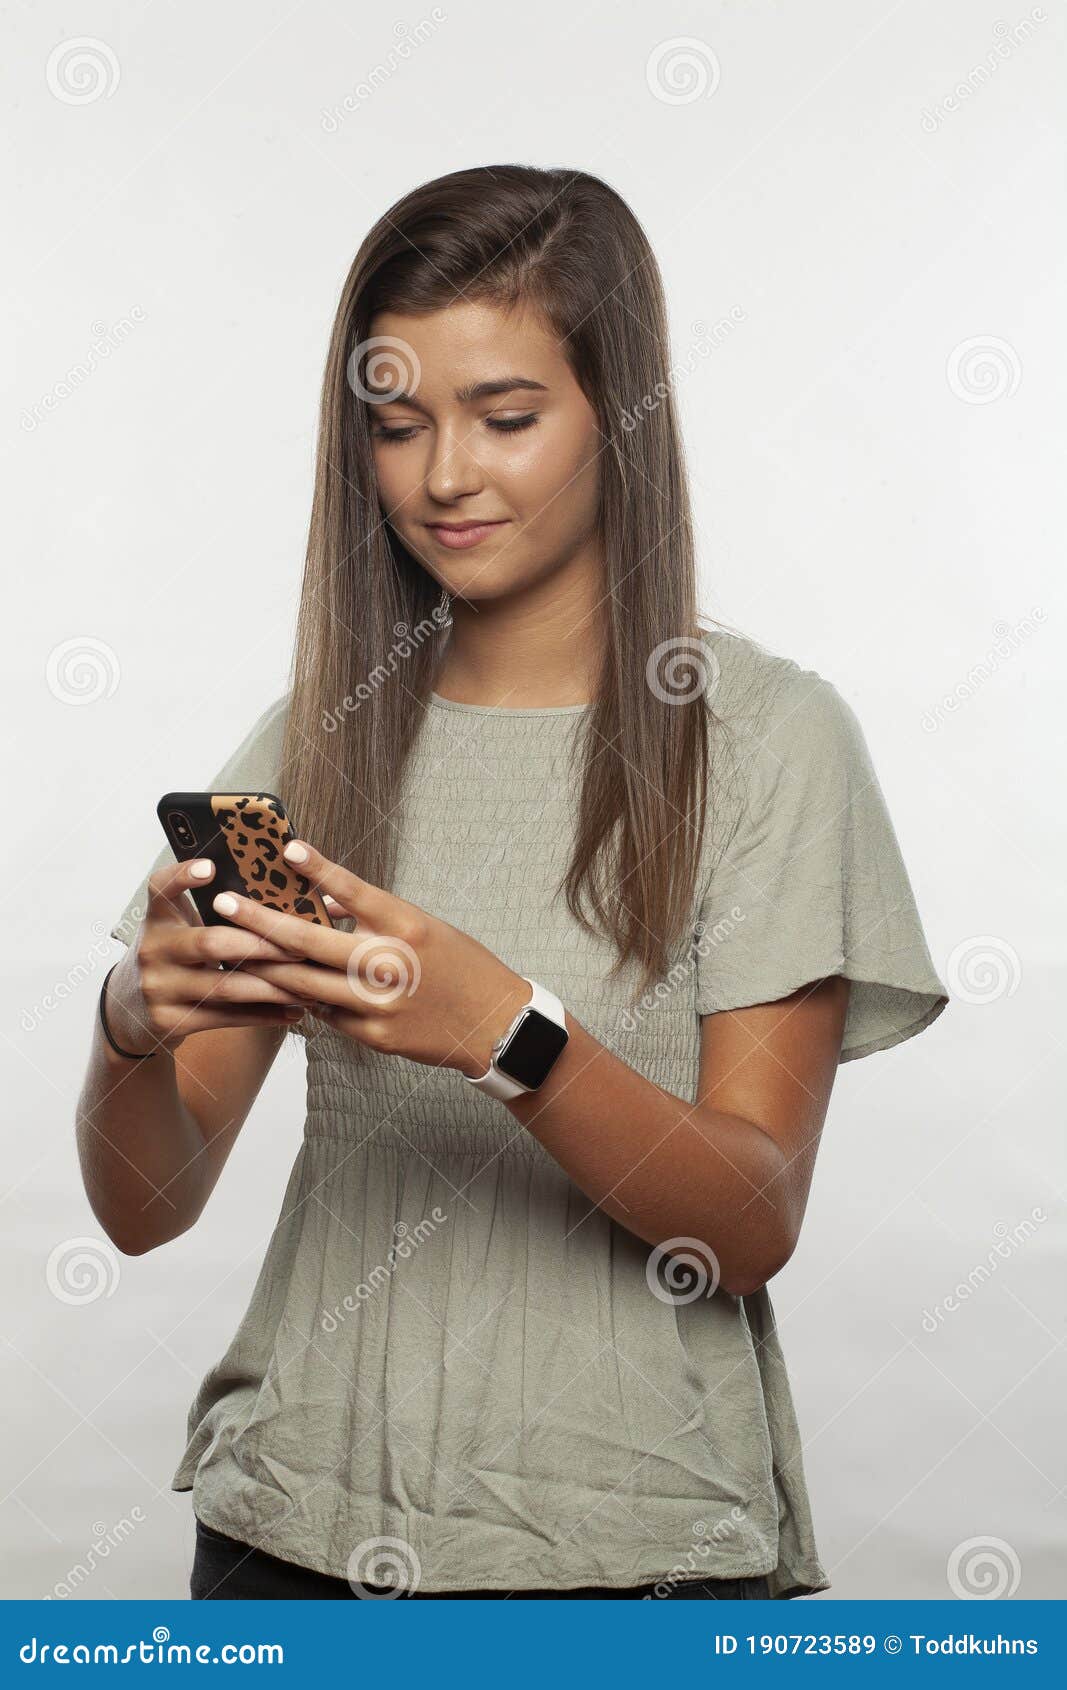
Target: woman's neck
525	656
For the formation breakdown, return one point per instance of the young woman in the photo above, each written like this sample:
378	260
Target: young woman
512	1334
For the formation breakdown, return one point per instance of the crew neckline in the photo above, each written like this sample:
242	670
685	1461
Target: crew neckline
507	709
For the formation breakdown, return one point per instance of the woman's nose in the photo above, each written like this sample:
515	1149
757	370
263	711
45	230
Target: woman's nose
453	469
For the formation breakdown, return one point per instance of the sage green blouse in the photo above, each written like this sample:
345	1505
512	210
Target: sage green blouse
452	1363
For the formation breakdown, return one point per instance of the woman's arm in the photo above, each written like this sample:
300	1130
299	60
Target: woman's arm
732	1170
153	1136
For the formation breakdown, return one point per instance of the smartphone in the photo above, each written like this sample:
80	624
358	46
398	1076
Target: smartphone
244	834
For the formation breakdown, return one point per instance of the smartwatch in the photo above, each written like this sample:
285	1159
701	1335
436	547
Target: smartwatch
522	1060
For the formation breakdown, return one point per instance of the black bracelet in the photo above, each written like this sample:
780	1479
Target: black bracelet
134	1055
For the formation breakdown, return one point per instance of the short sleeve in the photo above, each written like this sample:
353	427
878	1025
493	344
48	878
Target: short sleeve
254	765
811	881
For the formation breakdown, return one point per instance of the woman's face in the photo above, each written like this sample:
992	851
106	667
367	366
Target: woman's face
523	458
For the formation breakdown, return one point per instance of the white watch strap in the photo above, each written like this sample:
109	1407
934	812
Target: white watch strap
493	1082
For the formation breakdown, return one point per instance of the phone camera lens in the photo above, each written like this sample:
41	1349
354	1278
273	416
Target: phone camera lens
183	833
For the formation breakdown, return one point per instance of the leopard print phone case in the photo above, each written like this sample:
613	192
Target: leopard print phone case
244	834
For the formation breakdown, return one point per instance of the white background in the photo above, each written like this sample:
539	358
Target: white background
872	499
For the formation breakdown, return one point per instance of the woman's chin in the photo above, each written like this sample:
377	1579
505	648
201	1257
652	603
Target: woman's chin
482	585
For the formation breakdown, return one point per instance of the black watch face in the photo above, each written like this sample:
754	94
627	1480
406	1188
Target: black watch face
532	1049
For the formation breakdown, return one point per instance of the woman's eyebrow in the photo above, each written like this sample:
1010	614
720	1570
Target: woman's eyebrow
474	390
505	384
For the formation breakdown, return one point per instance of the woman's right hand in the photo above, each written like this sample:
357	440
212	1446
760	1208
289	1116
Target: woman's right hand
169	983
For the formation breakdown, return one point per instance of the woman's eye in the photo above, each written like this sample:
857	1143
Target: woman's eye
511	425
394	433
499	425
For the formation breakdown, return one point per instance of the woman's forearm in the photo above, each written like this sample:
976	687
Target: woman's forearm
140	1147
661	1167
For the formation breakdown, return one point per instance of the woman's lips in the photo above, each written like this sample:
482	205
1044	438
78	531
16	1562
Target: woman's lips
458	539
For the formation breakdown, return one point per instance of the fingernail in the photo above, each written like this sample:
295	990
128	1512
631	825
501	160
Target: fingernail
202	869
295	852
224	903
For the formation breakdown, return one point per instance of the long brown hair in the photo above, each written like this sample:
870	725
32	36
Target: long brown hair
369	634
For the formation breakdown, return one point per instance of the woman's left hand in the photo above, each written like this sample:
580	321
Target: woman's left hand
404	983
